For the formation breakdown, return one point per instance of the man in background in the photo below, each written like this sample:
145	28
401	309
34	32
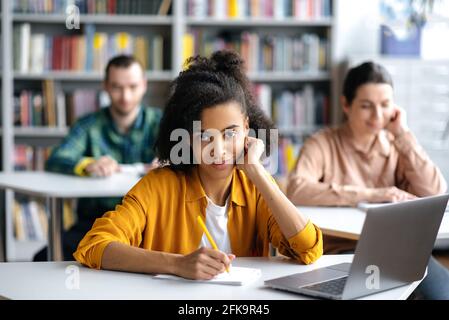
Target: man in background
102	143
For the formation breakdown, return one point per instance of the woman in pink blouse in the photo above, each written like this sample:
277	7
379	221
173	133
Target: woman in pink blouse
372	157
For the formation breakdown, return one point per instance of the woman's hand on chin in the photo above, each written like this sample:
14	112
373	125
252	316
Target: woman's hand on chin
250	159
398	123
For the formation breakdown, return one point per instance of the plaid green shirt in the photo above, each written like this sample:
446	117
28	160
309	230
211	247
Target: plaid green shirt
96	135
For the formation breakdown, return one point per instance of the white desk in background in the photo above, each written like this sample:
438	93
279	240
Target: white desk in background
346	222
57	187
51	280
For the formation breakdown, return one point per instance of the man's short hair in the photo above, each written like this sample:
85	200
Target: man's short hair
121	61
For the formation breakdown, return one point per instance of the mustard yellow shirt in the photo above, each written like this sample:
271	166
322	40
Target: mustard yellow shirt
160	213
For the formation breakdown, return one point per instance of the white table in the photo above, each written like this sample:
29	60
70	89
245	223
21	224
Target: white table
57	187
348	222
54	280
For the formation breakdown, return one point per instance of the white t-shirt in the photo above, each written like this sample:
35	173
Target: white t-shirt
217	224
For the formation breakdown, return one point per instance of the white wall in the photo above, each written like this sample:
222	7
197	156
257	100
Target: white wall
355	32
356	28
357	24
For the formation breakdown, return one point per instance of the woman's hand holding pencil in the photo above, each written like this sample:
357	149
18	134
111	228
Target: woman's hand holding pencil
204	263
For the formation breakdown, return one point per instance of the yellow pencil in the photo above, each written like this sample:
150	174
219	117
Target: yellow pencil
209	237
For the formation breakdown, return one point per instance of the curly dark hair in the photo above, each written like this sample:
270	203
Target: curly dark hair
207	82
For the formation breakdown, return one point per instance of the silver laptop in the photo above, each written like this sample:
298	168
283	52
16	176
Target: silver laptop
393	250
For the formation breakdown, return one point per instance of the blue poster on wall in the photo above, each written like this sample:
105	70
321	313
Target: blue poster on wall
401	28
400	41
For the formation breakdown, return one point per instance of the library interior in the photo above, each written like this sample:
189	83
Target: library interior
70	150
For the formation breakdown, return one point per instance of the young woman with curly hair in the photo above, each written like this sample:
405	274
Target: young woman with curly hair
155	229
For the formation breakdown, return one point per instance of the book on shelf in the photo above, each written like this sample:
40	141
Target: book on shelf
52	107
40	53
30	218
305	52
37	56
79	103
141	52
157	53
21	46
164	7
277	9
50	100
110	7
264	95
188	42
236	8
303	108
30	158
30	221
288	153
32	109
304	111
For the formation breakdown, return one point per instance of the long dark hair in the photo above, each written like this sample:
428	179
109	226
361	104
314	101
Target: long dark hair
205	83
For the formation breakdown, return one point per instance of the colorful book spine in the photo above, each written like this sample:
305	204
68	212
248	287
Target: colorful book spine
275	9
38	53
111	7
30	220
52	107
307	52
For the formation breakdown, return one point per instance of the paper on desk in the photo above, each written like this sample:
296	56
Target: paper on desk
135	168
237	276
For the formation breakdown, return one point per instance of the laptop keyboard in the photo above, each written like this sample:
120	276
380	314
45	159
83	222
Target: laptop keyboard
334	287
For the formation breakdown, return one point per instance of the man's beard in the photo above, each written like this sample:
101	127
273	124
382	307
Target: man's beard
120	112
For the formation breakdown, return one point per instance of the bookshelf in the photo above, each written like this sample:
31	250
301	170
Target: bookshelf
179	21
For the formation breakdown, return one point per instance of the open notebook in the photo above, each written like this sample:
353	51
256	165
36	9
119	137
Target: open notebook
237	276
